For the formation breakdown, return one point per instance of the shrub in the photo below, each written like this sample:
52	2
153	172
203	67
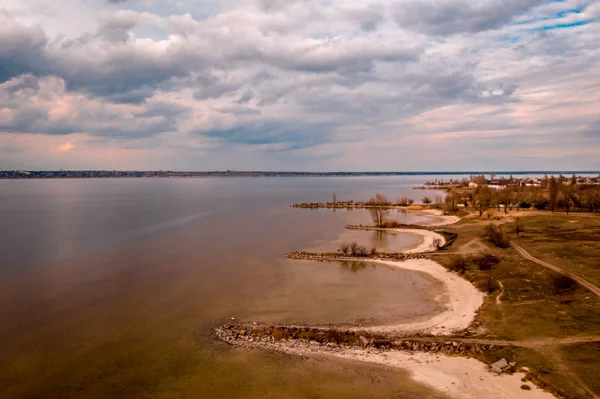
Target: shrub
562	283
496	236
358	250
541	204
525	387
491	285
373	251
458	263
486	262
344	247
525	205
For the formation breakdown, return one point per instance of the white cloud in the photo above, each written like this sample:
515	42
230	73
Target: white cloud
311	79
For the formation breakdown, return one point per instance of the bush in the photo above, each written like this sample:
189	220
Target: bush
344	247
358	250
491	285
486	262
496	236
373	251
540	205
458	263
562	283
525	205
525	387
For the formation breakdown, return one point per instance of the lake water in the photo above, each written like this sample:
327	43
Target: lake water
109	288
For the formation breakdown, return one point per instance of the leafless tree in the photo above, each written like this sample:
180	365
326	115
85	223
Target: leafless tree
378	209
482	200
426	200
344	247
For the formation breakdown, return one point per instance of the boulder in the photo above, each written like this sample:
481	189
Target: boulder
364	340
501	364
495	370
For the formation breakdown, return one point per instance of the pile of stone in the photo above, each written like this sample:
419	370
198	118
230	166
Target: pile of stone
333	256
252	335
447	347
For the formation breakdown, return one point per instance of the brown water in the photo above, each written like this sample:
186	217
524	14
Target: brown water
109	288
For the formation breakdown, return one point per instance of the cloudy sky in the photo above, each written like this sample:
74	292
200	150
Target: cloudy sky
329	85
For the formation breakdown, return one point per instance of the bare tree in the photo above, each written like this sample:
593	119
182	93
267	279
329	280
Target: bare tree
378	209
334	199
553	191
426	200
482	200
518	228
344	247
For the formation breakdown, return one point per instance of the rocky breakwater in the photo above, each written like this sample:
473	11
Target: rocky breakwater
339	256
288	338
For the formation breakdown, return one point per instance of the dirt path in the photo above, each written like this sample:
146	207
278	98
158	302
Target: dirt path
498	301
557	269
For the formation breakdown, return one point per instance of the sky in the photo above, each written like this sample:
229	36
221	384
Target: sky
300	85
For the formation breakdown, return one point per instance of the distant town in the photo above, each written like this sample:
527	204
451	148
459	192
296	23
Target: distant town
90	174
500	183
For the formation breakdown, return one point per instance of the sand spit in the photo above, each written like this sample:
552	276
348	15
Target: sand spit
428	240
444	220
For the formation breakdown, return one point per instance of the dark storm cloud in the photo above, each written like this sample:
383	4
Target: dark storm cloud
289	135
22	49
30	100
458	16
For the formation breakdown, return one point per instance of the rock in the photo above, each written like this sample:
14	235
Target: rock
501	364
526	369
364	340
495	370
454	343
512	364
233	318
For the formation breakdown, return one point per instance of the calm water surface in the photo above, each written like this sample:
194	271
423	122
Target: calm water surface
109	288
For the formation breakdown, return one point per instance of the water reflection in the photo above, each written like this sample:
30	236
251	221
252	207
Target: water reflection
355	266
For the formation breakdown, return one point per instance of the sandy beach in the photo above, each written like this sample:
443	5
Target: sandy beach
441	219
460	300
428	239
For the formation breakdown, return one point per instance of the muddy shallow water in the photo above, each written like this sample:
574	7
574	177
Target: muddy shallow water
109	288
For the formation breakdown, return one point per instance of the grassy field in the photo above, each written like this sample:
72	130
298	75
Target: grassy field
528	302
570	241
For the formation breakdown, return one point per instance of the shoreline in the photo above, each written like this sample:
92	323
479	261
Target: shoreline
460	302
445	219
458	377
427	243
455	376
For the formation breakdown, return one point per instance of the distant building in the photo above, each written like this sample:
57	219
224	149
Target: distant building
496	185
472	184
